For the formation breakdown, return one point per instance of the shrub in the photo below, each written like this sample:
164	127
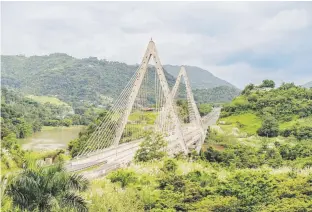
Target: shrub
269	127
124	177
152	148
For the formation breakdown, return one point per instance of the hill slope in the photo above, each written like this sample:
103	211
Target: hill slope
288	108
77	81
199	78
218	94
70	79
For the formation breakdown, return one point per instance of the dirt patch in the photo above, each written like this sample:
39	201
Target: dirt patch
218	147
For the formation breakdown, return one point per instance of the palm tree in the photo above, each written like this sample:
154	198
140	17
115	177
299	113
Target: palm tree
47	188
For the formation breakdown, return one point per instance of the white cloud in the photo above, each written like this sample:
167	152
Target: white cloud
287	20
194	33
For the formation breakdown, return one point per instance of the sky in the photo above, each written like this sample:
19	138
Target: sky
241	42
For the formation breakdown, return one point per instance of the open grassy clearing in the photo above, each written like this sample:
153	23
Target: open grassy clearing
297	122
247	122
47	99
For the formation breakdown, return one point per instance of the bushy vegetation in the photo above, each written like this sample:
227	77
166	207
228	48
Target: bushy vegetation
91	80
23	116
152	148
288	106
179	185
204	109
183	110
39	188
75	81
248	154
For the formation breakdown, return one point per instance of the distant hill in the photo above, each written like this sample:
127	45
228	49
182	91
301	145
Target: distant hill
308	85
219	94
199	78
70	79
87	80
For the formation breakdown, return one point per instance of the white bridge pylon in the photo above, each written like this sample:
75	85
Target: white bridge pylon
193	110
109	133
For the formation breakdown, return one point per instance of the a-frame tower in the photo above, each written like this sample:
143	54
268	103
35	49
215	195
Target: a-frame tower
151	52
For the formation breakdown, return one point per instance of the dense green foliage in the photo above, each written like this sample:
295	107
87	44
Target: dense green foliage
23	116
198	186
232	153
231	175
90	80
46	189
152	148
269	127
267	84
204	109
73	80
183	110
289	105
123	177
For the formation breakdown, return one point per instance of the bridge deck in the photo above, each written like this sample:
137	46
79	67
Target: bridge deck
115	157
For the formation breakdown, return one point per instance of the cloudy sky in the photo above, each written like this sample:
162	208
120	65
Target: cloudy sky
240	42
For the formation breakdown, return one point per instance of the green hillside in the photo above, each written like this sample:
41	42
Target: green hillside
78	81
47	99
285	111
199	78
218	94
71	80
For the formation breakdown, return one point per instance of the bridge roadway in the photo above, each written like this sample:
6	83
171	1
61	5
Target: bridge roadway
112	158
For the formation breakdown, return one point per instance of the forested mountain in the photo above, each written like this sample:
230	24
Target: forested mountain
308	85
70	79
199	78
79	81
218	94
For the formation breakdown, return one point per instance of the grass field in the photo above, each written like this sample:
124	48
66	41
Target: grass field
148	116
300	122
246	122
46	99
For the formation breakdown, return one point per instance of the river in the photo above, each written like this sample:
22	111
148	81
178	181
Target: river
51	138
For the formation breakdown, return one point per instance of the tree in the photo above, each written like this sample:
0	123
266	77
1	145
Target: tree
267	84
45	188
152	148
170	166
248	88
204	109
183	110
124	177
269	127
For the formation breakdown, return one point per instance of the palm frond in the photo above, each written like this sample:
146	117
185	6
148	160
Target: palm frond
73	200
78	182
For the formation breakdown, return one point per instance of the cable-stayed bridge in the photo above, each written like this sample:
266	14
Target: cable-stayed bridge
145	104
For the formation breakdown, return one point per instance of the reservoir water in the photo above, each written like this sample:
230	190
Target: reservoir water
51	138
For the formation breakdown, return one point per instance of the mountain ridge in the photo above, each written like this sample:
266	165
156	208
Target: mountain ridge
199	77
74	80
